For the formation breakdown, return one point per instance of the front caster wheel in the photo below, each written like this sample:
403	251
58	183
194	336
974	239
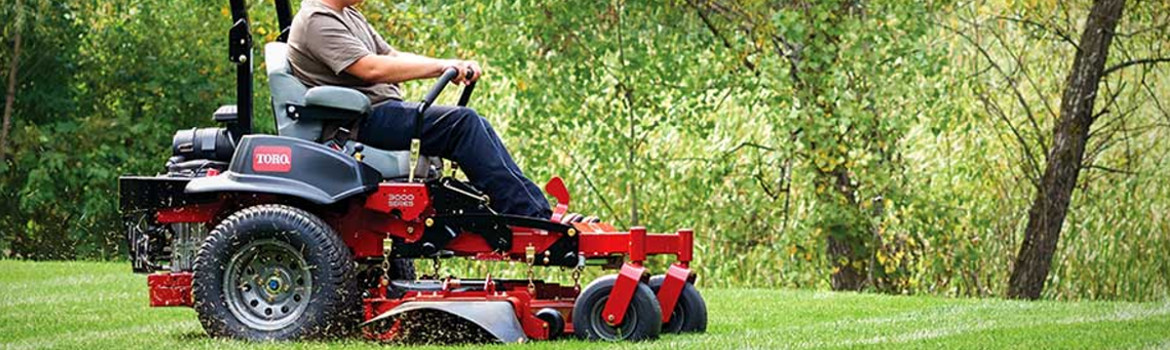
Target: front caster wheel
690	312
643	320
274	272
556	322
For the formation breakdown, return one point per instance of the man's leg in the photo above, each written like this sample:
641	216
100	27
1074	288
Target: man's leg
459	134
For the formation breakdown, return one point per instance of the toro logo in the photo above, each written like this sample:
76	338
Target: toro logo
273	159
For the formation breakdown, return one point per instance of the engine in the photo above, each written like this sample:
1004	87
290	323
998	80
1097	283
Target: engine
195	151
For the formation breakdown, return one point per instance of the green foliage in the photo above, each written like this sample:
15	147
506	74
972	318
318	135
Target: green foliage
102	92
767	127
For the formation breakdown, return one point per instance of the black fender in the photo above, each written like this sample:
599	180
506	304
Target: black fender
293	167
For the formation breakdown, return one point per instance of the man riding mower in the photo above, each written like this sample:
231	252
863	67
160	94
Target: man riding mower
310	233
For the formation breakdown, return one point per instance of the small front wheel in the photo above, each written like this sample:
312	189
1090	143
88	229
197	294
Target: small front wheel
556	322
643	319
690	312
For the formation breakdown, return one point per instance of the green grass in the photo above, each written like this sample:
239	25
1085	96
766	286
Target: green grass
104	306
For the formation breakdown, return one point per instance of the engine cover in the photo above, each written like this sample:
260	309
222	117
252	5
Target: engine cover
293	167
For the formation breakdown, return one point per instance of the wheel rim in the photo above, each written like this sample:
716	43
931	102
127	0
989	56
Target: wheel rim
268	285
607	332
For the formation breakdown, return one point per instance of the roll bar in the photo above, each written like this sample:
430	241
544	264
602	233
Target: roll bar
240	53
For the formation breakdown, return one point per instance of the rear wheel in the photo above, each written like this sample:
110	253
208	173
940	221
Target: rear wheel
690	312
274	272
643	319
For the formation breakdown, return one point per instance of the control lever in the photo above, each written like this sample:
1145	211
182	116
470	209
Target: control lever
358	147
429	99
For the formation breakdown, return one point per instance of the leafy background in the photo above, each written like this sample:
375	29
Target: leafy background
669	114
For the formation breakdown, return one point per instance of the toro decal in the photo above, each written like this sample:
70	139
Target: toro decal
272	159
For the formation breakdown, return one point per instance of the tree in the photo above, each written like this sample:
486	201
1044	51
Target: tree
13	69
1069	137
1022	109
844	71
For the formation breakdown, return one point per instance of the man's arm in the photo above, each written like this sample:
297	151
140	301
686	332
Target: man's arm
398	67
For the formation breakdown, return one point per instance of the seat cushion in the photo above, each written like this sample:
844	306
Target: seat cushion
338	97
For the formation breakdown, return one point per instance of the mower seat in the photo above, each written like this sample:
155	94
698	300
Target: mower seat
287	89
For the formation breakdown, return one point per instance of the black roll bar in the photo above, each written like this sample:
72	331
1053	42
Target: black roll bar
240	53
284	18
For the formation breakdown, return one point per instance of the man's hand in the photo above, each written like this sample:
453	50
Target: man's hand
476	71
466	69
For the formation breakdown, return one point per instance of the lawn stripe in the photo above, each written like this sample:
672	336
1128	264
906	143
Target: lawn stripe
932	333
75	339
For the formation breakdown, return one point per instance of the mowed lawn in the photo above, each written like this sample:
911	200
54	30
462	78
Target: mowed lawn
104	306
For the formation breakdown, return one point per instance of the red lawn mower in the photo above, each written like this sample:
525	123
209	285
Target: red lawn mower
292	236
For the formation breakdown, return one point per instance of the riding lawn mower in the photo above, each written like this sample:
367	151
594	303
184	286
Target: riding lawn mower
291	236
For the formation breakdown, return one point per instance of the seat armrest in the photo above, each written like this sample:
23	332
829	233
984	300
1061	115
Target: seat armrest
339	98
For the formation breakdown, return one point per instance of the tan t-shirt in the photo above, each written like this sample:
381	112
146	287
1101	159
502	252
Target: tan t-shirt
324	42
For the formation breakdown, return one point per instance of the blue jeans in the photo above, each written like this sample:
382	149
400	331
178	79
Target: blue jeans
461	135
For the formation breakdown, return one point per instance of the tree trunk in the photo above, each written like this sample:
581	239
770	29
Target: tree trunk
1049	208
10	96
846	277
847	251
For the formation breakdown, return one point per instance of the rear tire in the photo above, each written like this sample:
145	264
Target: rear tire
643	319
274	272
690	312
